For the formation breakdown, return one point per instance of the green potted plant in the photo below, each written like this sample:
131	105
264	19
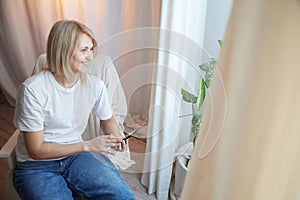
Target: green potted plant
196	101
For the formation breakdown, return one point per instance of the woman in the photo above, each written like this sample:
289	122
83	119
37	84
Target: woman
51	113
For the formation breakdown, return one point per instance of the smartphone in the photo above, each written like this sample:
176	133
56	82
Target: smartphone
131	134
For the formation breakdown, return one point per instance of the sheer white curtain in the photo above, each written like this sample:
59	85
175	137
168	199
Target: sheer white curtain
180	52
256	157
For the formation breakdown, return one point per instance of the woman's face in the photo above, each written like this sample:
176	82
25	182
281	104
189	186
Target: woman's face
83	53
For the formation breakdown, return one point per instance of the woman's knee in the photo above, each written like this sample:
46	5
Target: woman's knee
38	184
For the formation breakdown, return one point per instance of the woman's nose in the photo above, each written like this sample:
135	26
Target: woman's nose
89	55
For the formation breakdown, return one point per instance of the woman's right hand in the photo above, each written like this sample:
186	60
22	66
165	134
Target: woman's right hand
102	144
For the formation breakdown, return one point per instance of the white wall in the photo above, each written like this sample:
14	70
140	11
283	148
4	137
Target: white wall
217	16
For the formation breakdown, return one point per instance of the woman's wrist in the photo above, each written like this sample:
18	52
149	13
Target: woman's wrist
84	146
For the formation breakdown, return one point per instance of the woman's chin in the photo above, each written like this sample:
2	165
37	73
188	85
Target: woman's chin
83	69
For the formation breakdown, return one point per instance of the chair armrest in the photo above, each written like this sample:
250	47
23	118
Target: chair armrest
8	150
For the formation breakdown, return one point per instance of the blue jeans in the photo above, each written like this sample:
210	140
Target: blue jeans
90	175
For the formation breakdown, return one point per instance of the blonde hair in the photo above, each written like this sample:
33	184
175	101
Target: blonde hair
61	43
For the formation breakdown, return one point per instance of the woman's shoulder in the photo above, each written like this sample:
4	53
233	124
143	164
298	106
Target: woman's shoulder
94	79
36	80
37	77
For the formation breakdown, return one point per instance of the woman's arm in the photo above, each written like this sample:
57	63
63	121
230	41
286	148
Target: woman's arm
39	150
110	127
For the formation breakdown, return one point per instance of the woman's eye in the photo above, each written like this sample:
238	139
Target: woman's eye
90	51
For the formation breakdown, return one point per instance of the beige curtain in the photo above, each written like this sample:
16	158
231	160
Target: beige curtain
256	156
25	26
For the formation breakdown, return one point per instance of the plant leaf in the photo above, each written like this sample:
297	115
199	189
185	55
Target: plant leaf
201	93
188	97
220	42
204	66
196	120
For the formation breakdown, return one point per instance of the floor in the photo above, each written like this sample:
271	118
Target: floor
137	146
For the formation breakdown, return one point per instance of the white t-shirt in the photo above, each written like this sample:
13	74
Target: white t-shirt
43	104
